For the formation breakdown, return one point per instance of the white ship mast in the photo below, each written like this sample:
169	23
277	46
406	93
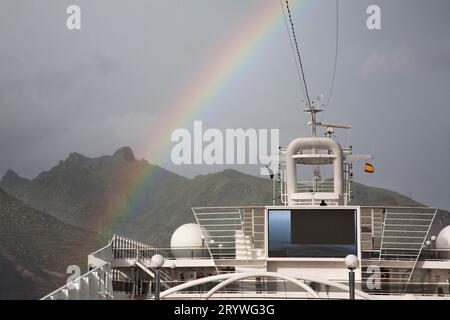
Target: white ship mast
317	152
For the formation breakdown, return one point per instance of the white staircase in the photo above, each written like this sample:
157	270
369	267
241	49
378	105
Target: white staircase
245	249
165	277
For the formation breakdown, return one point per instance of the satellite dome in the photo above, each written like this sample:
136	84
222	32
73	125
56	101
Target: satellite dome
443	239
188	241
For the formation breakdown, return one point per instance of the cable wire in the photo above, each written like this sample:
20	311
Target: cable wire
292	48
335	61
299	62
302	71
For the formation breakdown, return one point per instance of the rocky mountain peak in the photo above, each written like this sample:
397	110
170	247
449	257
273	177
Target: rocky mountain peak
12	179
75	157
124	153
11	174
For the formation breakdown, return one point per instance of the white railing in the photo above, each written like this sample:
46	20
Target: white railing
314	186
124	248
226	228
192	253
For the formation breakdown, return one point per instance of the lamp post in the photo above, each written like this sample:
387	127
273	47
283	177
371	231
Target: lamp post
211	245
172	268
156	262
433	241
351	262
203	245
428	245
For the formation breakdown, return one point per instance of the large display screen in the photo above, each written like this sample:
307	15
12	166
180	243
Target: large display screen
309	233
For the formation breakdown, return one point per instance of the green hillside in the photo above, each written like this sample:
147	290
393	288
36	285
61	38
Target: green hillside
36	249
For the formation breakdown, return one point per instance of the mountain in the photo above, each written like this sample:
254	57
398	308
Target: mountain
89	192
99	194
120	194
225	188
372	196
36	249
15	184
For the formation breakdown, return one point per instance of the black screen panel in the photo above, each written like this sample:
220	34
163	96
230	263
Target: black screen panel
322	227
312	233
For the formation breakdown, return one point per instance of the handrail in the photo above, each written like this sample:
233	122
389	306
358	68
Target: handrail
101	249
421	248
224	277
206	242
314	186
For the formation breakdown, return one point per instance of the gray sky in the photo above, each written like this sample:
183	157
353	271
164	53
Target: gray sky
106	86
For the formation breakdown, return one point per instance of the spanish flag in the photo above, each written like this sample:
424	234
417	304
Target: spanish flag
369	168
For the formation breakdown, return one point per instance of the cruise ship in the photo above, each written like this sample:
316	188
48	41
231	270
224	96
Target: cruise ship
311	242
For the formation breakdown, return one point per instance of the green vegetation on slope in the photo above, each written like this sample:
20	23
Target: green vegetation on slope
36	249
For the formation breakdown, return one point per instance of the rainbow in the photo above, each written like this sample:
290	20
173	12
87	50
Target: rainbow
198	95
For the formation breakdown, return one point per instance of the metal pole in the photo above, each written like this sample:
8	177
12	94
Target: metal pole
435	251
203	247
157	283
351	284
273	191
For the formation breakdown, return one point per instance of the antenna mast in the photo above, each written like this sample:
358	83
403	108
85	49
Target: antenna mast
313	111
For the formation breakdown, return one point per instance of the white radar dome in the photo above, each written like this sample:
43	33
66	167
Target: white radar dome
188	242
443	239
